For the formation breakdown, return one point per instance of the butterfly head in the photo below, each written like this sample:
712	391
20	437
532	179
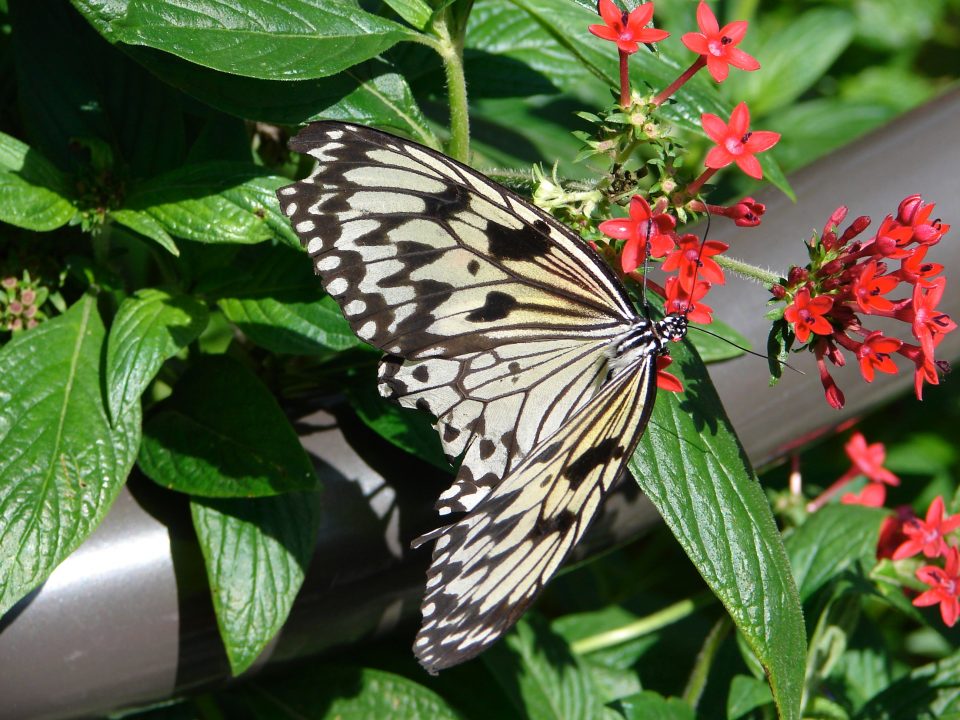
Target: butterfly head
673	328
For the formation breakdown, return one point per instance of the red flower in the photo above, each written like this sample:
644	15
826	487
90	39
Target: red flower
929	324
667	381
642	222
747	212
928	537
735	142
891	532
868	289
892	239
915	271
627	30
807	315
874	354
682	302
872	495
691	261
719	46
914	214
868	460
944	585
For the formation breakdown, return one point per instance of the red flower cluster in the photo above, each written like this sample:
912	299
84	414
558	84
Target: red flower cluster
912	536
849	279
652	233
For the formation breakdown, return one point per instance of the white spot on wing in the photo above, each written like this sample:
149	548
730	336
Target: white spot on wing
337	286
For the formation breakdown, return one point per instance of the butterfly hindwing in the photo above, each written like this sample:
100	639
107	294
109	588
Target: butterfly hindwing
488	567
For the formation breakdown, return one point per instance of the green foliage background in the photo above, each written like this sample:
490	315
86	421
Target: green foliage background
141	145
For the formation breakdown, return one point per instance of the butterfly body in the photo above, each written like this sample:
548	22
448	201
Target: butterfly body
511	331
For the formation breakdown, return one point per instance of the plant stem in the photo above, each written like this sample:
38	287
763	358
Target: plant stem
751	272
643	626
450	48
684	76
624	80
701	668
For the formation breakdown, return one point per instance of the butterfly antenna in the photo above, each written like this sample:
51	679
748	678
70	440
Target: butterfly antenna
782	363
646	268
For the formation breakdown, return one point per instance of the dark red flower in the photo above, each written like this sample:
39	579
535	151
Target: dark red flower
944	586
928	536
694	263
870	286
719	46
735	142
635	230
807	315
891	532
874	355
627	30
747	212
892	238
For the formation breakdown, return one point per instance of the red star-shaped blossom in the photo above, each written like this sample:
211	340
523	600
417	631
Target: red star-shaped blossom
635	229
735	142
944	585
874	355
627	30
928	536
719	45
807	314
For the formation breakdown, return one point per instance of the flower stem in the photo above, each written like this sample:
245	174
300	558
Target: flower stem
643	626
751	272
700	62
450	47
624	80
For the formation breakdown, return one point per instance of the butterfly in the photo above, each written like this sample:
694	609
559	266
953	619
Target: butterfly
509	329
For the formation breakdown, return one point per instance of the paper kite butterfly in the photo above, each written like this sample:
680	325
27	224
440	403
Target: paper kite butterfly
511	331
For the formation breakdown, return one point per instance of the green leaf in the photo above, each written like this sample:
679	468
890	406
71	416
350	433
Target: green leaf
690	464
817	127
146	225
746	694
256	552
341	692
415	12
61	462
793	58
832	540
714	349
150	327
273	296
929	692
372	93
32	190
408	429
222	434
649	705
215	202
540	674
293	40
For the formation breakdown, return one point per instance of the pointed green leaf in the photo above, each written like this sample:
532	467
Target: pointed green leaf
222	434
342	692
690	464
746	694
256	552
830	541
649	705
274	297
150	327
61	462
147	226
32	191
544	679
292	40
415	12
215	202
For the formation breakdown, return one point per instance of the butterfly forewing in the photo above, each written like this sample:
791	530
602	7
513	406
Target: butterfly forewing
496	318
